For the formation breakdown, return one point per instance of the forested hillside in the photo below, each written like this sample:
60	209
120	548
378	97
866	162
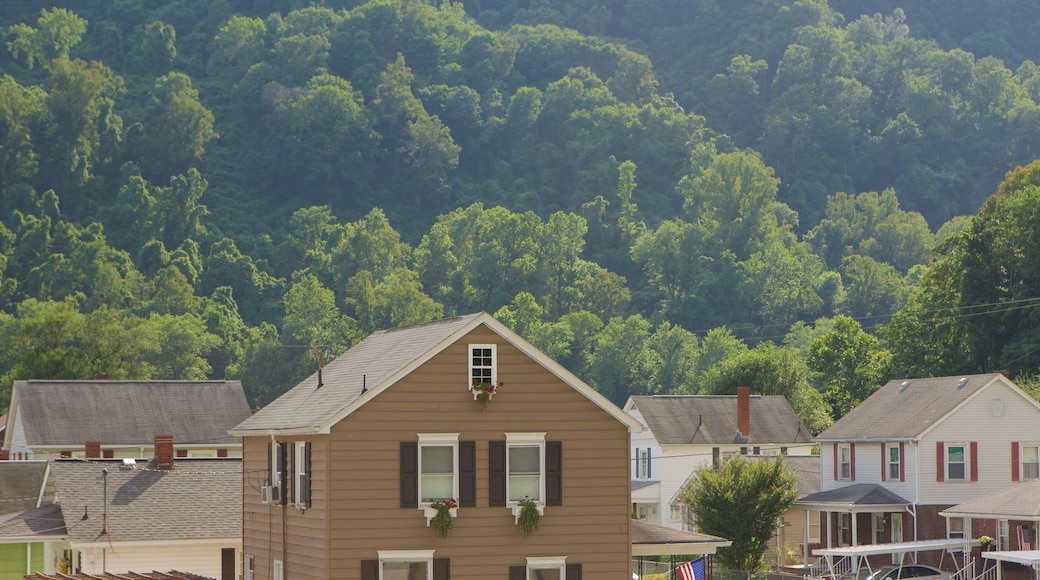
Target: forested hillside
666	197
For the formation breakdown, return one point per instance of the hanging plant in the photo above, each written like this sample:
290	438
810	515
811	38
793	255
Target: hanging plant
483	391
529	518
443	520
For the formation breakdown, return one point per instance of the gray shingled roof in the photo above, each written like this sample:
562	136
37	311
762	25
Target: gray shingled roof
645	533
197	499
20	485
1021	501
369	363
897	412
131	575
712	419
860	494
128	412
42	523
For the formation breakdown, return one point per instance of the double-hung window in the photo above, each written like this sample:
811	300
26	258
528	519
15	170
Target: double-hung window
844	462
405	564
1030	461
642	463
301	489
276	472
525	467
482	364
438	467
552	568
956	456
892	456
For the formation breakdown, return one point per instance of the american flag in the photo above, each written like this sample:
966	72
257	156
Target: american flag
692	570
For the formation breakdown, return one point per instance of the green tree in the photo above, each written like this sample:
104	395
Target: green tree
183	343
158	48
56	32
177	127
742	501
846	364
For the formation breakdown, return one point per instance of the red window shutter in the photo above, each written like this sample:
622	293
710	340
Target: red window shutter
974	461
902	464
1014	461
852	461
940	461
835	462
182	453
409	474
884	462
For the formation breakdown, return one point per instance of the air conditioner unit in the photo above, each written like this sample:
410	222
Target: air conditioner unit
269	494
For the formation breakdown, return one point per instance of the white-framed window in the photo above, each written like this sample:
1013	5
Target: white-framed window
301	489
956	462
844	529
276	466
1003	535
892	461
438	467
998	408
277	570
879	528
547	568
814	527
646	511
405	564
1030	455
956	528
642	463
675	513
482	367
844	461
248	567
525	467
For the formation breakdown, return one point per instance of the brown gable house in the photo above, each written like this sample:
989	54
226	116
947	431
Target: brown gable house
342	471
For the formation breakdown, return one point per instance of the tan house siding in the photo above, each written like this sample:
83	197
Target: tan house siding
286	533
365	512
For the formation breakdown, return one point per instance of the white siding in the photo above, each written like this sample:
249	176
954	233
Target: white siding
975	422
868	469
197	558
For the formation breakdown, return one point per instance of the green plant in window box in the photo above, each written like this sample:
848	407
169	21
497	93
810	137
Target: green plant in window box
443	522
483	391
529	517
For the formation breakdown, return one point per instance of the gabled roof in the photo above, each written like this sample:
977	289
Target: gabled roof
375	364
906	409
198	499
1021	501
712	419
23	484
126	412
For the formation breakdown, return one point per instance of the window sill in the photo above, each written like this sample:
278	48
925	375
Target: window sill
516	511
431	512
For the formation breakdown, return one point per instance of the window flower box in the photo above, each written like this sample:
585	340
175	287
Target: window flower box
484	391
528	515
442	513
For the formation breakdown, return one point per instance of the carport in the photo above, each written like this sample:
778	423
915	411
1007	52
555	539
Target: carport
848	561
651	540
1024	557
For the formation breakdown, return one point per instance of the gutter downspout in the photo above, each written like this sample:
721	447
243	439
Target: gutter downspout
917	486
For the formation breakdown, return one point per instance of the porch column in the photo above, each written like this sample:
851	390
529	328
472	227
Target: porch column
805	540
853	517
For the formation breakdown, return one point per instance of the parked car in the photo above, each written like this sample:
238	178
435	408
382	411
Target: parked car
908	571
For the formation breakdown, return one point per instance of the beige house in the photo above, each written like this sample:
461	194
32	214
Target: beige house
340	472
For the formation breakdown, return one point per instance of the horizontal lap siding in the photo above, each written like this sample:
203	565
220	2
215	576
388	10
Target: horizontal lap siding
303	548
590	528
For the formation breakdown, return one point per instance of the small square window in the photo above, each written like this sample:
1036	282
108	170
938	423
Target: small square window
482	364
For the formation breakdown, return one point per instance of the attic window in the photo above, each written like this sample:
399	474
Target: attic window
482	367
998	407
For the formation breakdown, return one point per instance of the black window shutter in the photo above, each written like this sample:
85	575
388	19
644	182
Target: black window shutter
283	488
305	481
270	462
554	473
496	473
573	571
291	472
442	569
467	474
370	570
518	573
409	474
649	462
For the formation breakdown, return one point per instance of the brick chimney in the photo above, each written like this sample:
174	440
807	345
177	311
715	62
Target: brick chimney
5	454
92	450
164	452
744	411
